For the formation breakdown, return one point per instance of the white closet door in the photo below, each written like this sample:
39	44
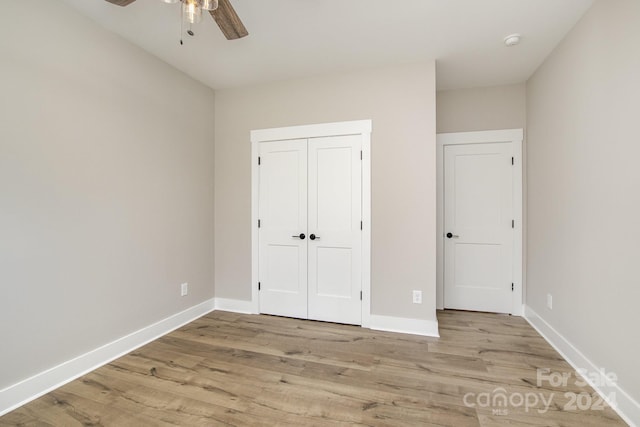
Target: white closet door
335	266
283	228
478	214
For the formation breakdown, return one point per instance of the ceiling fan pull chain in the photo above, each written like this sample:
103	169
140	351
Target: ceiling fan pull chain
181	24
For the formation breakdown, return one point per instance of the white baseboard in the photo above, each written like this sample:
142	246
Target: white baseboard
31	388
234	305
625	405
428	328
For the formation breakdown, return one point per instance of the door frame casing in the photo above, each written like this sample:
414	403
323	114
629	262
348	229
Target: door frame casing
514	137
357	127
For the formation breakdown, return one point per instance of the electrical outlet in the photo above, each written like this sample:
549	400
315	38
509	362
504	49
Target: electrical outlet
549	301
417	297
184	289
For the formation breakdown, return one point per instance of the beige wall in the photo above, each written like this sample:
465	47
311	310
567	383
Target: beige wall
584	200
401	103
486	108
106	188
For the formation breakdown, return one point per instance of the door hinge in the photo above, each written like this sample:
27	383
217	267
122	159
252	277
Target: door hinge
258	223
259	286
512	287
360	295
360	154
512	161
258	160
360	225
513	223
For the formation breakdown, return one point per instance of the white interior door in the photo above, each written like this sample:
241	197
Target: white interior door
283	228
335	235
479	235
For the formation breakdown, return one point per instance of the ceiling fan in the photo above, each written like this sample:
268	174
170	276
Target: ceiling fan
221	11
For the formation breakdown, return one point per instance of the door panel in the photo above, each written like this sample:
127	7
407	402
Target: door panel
478	199
283	214
334	215
333	182
334	270
476	179
279	259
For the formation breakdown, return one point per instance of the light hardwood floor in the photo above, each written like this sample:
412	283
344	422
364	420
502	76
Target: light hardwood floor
233	369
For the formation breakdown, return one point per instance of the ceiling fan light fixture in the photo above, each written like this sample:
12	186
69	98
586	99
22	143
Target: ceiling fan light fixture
170	1
209	4
192	11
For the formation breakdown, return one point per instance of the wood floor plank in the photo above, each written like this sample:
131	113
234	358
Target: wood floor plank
243	370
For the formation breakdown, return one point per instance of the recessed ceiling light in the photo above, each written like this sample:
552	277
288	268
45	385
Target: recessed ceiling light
512	40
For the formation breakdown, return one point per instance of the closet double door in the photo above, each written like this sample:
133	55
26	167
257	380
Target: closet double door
310	237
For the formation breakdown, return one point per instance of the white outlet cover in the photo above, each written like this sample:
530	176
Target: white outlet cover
184	289
417	297
549	301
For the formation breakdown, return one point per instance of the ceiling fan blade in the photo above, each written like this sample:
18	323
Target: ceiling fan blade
121	2
229	21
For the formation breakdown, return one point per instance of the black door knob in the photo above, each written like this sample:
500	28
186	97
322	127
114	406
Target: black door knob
312	236
302	236
449	235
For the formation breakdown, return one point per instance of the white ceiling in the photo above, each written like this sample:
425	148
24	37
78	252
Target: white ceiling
296	38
